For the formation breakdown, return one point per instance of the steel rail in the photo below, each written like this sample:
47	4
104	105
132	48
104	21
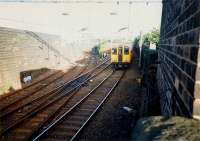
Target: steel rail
95	111
49	94
36	109
56	90
70	110
19	90
53	114
27	95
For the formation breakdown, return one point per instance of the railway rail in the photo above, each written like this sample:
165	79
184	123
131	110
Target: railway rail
25	98
57	95
73	120
13	97
31	89
2	97
19	99
20	107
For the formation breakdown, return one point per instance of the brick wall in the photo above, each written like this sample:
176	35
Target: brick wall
178	73
22	51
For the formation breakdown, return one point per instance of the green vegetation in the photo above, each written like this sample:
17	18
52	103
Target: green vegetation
101	47
147	60
150	37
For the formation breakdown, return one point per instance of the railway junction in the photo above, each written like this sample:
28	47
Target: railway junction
66	74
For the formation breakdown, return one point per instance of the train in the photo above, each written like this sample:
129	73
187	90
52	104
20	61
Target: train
121	56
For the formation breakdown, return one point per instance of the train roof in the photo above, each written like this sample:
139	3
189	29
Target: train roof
120	46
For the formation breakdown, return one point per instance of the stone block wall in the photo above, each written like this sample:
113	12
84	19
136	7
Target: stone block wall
178	73
22	51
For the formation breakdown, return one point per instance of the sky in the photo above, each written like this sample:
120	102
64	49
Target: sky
75	21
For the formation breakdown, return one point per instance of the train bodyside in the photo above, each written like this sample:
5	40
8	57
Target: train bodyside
121	56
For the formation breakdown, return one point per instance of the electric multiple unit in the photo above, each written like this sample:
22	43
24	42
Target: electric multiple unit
121	56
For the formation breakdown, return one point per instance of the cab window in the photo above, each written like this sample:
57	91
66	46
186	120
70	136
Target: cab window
114	51
126	51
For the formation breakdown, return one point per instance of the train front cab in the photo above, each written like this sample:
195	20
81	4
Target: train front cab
121	57
127	57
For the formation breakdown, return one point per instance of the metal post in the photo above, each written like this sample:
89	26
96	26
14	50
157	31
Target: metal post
140	46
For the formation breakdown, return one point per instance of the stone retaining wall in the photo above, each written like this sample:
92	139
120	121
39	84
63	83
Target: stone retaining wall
21	52
178	73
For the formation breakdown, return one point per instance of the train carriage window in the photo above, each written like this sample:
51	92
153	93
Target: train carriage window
126	51
114	51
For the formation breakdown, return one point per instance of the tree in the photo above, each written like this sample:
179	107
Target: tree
152	37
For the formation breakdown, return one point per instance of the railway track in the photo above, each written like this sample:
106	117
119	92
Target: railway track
26	102
23	97
13	97
72	121
56	97
31	89
5	96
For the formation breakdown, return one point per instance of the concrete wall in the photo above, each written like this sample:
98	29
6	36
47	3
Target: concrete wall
179	71
25	51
